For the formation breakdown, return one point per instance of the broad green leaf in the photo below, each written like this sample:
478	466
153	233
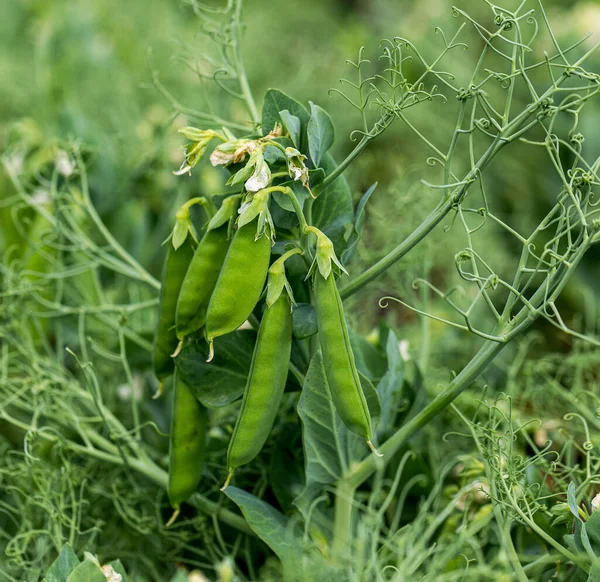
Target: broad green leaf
594	572
320	133
273	528
580	536
276	101
273	155
389	387
87	571
329	447
293	126
332	210
223	380
66	562
359	221
592	527
284	201
301	561
304	321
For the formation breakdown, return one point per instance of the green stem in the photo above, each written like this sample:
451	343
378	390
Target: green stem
297	209
244	86
338	171
342	527
363	470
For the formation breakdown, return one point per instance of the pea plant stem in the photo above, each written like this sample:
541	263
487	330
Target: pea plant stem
239	63
342	532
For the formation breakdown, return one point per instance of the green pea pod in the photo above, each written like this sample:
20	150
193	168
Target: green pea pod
189	423
200	280
240	283
265	385
165	340
338	359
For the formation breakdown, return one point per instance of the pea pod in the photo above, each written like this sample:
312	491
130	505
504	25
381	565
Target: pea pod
200	281
240	283
338	359
189	422
265	385
165	340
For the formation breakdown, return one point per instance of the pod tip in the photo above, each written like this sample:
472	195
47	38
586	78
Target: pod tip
173	517
373	449
159	391
177	349
227	481
211	351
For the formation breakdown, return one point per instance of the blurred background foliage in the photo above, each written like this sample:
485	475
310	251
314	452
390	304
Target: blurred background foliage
83	71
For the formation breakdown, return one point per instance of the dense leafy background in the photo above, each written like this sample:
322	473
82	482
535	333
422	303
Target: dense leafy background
82	71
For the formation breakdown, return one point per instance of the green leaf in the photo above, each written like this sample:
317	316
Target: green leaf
300	559
304	321
320	133
276	101
333	211
87	571
581	538
293	126
592	527
389	387
64	564
284	201
273	155
223	380
594	572
359	221
329	447
273	528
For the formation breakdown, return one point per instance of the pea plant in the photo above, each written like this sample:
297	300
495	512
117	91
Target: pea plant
274	406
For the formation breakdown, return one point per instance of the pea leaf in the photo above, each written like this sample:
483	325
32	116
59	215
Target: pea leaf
64	564
304	321
333	211
320	133
329	447
359	221
223	380
276	101
284	201
273	528
300	559
87	571
293	126
389	387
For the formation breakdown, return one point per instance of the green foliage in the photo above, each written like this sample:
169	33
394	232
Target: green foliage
491	464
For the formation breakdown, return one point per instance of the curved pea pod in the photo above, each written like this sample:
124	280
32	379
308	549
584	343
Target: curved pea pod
200	280
189	423
165	339
265	386
338	359
240	283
